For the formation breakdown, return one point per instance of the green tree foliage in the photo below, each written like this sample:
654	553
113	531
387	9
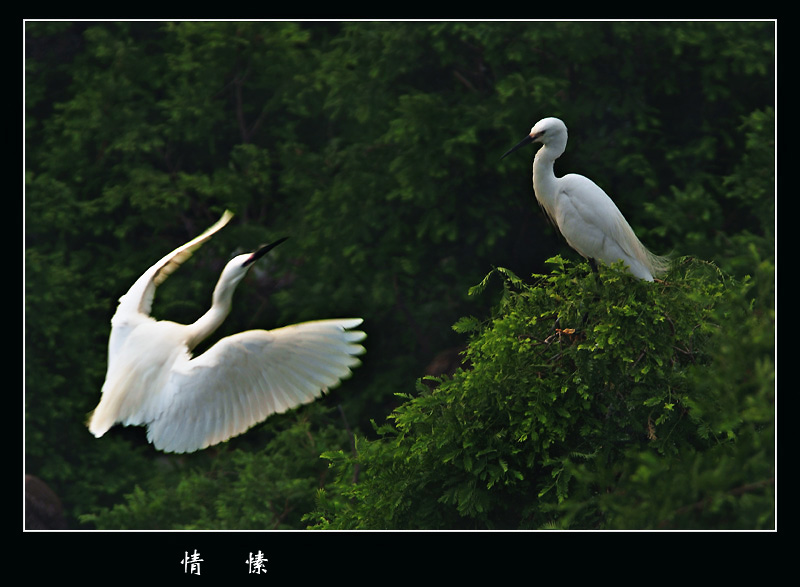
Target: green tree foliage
375	147
267	488
585	404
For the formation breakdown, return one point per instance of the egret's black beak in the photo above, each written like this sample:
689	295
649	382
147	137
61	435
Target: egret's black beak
263	251
526	141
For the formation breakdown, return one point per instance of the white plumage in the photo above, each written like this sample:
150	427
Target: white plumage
584	214
189	403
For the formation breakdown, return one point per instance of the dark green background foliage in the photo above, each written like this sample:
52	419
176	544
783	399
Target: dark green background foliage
376	147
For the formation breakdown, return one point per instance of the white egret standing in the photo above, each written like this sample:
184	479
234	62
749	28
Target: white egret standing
589	220
189	403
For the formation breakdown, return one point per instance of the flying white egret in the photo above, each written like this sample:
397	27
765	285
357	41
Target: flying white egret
588	219
189	403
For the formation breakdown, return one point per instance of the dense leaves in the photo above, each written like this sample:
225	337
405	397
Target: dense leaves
266	488
583	405
375	147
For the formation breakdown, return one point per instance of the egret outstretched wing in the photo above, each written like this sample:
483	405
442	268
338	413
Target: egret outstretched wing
139	298
191	403
246	377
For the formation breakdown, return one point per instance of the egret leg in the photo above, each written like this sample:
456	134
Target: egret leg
595	270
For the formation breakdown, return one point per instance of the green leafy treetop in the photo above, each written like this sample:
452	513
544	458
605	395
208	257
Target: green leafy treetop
584	403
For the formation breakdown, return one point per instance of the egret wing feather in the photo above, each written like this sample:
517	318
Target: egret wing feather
593	225
246	377
139	298
139	363
586	215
